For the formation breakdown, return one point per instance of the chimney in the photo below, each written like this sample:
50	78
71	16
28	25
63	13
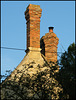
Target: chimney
51	29
32	15
50	41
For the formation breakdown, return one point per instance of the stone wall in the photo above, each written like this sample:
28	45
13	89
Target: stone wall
32	15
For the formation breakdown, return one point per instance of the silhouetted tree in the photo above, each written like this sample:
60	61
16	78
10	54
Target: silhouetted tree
66	74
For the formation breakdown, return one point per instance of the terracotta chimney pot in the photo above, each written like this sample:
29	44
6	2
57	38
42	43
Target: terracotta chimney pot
51	29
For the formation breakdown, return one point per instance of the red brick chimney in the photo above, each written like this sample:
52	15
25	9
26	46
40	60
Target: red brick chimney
50	42
32	15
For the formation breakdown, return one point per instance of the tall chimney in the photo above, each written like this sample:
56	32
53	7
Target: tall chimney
32	15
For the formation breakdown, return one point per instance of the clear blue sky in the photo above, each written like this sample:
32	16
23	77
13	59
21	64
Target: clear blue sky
60	14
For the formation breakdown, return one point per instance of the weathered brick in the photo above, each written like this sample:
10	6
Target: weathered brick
50	41
32	15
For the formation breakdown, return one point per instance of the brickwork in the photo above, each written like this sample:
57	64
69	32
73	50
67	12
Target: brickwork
32	15
50	41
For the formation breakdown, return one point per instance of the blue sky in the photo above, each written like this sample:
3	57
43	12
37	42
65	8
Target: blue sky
60	14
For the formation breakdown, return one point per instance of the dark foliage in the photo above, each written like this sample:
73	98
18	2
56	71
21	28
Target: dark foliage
66	76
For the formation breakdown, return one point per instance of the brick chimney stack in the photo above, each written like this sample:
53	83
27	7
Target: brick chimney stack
32	15
50	42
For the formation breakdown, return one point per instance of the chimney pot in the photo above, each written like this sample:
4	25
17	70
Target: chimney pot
51	29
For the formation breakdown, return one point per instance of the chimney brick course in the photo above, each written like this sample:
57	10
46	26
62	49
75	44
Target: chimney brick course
32	15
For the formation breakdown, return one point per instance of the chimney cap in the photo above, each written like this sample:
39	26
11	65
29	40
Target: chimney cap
51	28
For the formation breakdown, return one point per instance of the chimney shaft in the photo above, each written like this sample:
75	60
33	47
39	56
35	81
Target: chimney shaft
50	42
32	15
